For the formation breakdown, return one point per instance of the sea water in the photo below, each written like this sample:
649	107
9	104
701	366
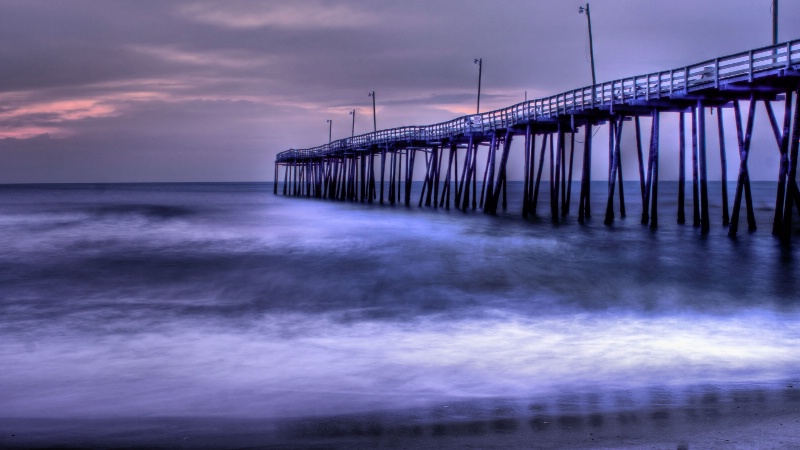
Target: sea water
224	300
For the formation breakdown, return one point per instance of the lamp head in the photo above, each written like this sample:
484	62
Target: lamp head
581	9
478	60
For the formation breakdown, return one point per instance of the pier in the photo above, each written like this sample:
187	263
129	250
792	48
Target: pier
380	166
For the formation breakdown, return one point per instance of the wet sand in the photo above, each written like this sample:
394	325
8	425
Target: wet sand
702	417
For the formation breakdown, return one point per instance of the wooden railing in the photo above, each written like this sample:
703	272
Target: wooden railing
709	74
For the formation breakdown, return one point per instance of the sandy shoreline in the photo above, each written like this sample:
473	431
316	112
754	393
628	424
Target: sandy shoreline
699	418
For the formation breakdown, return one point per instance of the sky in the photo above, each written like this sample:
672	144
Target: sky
152	91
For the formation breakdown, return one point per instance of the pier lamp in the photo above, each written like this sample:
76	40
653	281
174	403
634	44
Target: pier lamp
353	130
374	115
330	129
479	62
581	10
774	22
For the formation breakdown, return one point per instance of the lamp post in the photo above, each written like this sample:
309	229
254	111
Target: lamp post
353	130
330	129
774	22
479	62
581	10
374	115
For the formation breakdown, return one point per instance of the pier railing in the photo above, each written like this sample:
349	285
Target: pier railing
710	74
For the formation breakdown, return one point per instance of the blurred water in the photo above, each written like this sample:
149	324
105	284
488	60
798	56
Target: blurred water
223	300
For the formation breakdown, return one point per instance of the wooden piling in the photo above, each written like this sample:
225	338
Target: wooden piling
584	211
563	176
539	174
701	145
651	163
466	175
489	161
475	176
526	170
792	194
531	171
555	183
615	134
446	186
782	138
654	186
723	161
622	213
681	167
399	173
392	175
411	156
383	171
501	176
638	131
488	178
437	167
457	195
695	173
426	180
743	181
565	206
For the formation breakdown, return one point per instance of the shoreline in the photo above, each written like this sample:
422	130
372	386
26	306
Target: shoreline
702	417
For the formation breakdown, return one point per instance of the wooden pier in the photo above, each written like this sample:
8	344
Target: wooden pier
380	166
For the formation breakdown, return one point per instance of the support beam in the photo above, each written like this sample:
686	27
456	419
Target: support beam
427	180
701	145
783	148
466	176
565	207
723	161
555	180
446	187
525	172
650	205
654	136
584	211
501	174
489	207
437	157
792	194
615	134
695	173
383	171
486	188
275	181
743	181
539	174
681	168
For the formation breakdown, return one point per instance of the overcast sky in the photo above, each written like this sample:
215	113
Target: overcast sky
105	91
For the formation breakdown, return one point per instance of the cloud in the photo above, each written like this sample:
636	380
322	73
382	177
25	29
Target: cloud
309	15
243	78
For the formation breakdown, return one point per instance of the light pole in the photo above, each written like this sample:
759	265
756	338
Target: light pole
774	22
581	10
353	130
330	129
374	115
479	62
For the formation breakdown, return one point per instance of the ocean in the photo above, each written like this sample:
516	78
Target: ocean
160	313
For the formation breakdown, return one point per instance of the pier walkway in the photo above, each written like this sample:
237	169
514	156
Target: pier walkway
379	166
